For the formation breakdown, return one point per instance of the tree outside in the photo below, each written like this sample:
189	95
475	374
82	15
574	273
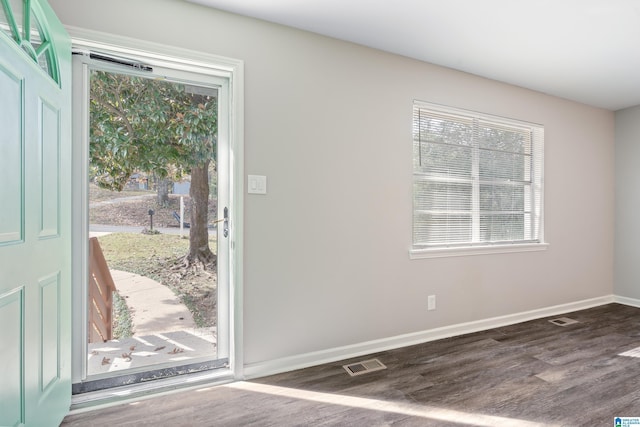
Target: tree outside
164	129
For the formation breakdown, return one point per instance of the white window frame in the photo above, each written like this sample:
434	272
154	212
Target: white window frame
477	247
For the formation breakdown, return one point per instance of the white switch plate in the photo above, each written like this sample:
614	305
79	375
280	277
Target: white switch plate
257	184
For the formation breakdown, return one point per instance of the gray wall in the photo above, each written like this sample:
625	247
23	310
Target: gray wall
329	123
627	248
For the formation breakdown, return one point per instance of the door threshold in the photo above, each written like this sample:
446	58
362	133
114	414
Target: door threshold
128	393
140	374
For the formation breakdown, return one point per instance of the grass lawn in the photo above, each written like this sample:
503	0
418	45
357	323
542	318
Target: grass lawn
142	254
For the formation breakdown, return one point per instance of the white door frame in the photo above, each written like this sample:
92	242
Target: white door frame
228	69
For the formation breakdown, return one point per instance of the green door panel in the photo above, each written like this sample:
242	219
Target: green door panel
35	216
11	149
11	369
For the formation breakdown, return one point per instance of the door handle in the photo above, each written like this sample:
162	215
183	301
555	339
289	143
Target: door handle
225	218
225	226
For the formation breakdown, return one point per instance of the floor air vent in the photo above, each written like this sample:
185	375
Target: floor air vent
364	367
563	321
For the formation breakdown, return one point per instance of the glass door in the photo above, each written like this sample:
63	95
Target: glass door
156	299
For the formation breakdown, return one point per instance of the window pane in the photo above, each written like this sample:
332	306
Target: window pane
4	22
502	198
37	38
507	166
441	229
442	196
444	160
498	228
503	138
442	129
12	26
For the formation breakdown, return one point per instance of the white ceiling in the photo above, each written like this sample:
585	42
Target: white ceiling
583	50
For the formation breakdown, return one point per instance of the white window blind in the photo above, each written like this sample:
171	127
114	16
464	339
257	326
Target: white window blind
477	179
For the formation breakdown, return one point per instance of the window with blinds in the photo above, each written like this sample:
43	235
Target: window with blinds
477	179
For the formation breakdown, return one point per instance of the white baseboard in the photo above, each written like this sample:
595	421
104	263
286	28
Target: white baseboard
627	301
260	369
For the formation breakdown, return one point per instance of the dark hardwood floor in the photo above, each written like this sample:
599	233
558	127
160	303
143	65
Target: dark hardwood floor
532	373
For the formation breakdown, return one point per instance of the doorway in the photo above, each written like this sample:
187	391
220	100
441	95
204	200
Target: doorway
156	185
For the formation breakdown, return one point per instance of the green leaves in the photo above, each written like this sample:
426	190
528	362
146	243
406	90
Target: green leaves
148	125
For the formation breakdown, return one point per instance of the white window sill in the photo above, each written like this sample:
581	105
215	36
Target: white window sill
476	250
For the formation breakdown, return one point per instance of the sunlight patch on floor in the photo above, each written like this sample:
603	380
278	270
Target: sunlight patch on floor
634	352
409	409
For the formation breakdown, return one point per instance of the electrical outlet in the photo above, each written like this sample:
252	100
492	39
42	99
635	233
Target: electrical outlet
431	302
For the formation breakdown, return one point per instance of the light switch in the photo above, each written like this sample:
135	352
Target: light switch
257	184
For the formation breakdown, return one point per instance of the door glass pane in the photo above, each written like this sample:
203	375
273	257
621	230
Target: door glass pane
37	38
8	25
12	23
4	22
152	207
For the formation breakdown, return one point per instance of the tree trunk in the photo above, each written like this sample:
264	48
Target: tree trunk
163	192
199	232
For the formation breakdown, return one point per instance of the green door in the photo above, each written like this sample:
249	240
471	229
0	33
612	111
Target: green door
35	215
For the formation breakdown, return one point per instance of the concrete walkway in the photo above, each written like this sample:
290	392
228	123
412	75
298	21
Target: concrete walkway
164	331
154	307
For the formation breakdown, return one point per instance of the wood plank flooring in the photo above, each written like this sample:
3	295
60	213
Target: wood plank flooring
532	373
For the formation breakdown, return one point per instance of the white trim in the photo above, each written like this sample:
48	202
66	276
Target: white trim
456	111
627	301
285	364
115	44
80	220
476	250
